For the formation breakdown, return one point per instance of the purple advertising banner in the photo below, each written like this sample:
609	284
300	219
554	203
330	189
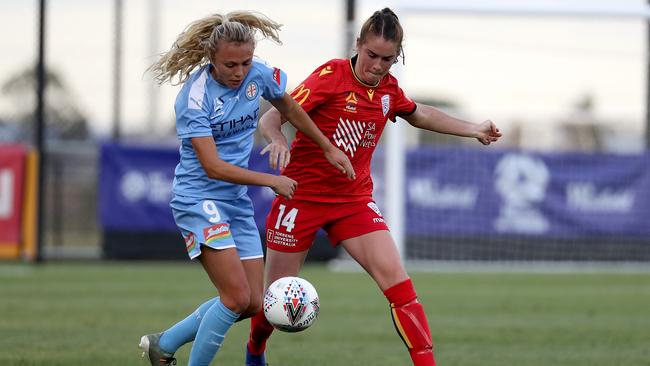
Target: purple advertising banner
479	192
136	186
449	191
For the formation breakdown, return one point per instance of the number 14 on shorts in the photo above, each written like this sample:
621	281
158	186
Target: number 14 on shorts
288	220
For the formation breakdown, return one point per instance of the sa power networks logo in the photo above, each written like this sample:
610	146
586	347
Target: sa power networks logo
350	135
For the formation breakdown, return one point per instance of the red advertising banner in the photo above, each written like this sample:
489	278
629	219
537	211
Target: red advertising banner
12	175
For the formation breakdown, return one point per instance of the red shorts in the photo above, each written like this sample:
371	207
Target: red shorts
291	225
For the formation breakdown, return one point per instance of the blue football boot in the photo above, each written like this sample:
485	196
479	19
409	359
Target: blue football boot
255	360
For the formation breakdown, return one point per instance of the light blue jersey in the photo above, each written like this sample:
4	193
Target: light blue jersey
204	107
210	212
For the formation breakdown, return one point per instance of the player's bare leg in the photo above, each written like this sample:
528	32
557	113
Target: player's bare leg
377	254
278	264
254	269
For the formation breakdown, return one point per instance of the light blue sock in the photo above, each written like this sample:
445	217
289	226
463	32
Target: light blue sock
212	331
185	330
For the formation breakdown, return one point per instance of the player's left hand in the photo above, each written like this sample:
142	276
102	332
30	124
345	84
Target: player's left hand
340	161
487	132
279	155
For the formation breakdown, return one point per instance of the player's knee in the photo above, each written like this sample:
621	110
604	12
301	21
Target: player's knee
254	307
237	302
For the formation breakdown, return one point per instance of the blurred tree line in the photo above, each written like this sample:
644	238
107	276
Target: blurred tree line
64	119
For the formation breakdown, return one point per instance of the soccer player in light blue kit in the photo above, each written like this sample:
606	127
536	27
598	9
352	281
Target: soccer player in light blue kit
216	116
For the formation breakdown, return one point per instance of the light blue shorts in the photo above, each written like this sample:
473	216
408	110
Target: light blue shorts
218	225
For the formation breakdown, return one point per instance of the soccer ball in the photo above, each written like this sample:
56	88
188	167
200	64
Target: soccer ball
291	304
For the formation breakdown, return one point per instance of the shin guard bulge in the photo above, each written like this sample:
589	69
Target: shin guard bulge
411	322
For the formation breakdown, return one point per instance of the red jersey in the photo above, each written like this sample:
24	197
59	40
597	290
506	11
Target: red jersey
352	114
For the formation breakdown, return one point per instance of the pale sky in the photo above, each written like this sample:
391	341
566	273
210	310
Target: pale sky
529	69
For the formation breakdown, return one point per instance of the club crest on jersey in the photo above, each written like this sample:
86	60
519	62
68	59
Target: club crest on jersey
351	103
385	104
251	90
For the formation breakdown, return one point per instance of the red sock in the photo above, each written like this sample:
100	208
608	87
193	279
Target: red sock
411	322
261	330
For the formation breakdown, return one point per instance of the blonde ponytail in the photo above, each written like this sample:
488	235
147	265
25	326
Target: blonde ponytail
200	40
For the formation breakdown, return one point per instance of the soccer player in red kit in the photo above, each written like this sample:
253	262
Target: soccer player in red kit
351	101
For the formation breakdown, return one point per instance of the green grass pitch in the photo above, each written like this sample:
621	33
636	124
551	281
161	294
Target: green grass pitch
93	313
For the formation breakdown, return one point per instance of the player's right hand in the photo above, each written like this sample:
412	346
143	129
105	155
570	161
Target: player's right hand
487	132
284	186
279	155
340	161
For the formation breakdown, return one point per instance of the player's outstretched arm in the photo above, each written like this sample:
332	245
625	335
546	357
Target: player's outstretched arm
290	109
432	119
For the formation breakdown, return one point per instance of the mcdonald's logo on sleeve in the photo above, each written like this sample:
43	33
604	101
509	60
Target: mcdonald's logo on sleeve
300	94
